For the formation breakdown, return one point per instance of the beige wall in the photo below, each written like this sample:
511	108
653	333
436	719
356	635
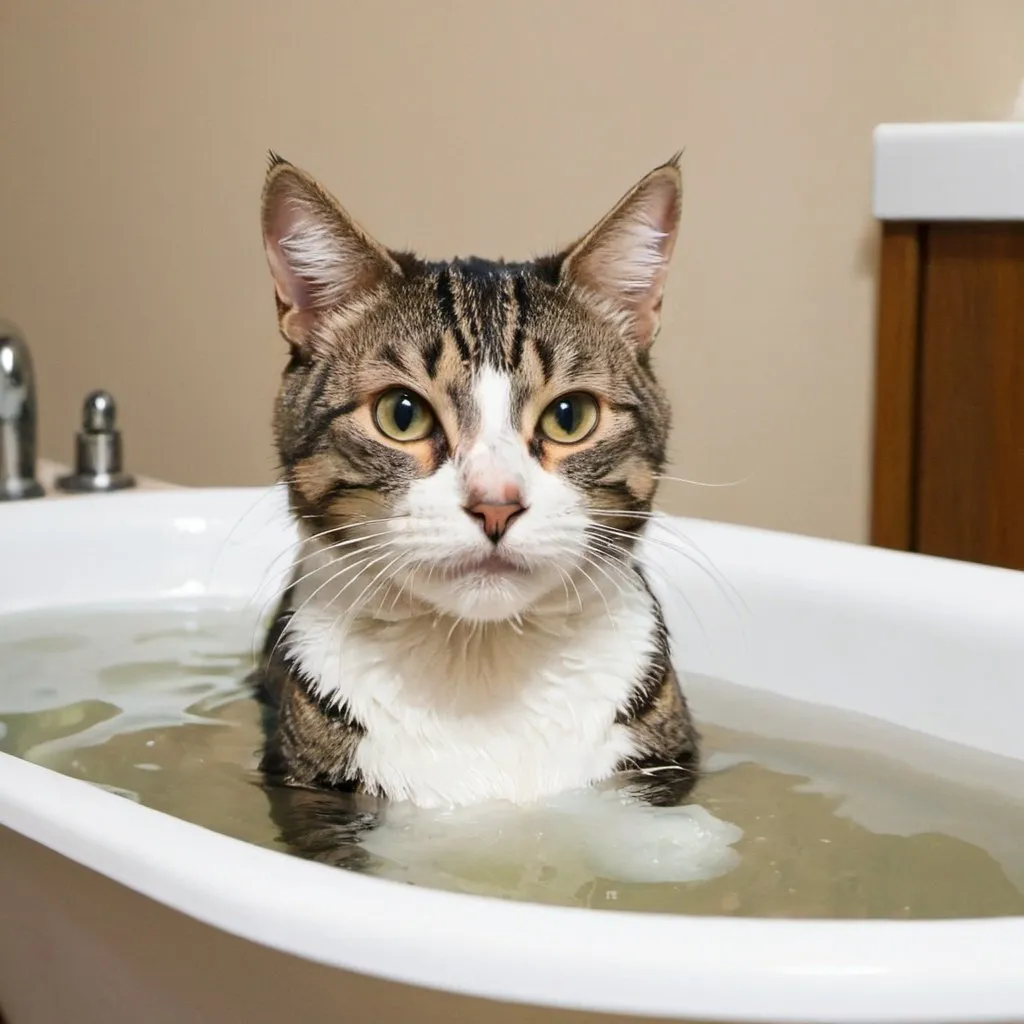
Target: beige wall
132	139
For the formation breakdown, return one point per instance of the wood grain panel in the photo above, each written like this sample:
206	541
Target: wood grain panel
896	355
970	464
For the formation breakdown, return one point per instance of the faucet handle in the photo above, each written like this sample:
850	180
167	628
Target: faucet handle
17	418
97	449
99	413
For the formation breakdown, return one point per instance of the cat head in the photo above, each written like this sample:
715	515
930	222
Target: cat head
481	434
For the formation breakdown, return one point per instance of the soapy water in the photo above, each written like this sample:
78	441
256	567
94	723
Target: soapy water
866	821
576	837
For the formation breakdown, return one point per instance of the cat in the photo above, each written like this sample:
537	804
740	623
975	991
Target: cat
471	449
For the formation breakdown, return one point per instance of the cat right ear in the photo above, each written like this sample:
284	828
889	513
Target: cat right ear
319	257
622	263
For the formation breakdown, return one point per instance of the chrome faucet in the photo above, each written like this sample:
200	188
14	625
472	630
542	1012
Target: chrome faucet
17	418
97	450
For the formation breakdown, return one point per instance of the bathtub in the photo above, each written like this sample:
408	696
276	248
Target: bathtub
112	912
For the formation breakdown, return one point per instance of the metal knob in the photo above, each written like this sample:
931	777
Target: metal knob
97	449
17	418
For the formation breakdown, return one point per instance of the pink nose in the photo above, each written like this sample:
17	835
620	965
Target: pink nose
495	519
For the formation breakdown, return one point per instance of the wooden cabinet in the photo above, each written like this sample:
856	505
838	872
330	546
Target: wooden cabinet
949	386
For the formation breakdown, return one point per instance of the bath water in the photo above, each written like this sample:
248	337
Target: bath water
804	812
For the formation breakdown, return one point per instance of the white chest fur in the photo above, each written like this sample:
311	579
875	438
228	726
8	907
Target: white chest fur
488	711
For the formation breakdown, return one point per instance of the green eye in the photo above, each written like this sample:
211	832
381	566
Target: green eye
570	419
403	416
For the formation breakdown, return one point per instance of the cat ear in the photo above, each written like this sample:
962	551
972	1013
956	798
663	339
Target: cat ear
319	257
622	263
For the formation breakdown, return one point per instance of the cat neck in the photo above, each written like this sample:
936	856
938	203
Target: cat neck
337	634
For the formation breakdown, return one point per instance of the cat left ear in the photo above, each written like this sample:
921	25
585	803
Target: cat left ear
319	257
622	263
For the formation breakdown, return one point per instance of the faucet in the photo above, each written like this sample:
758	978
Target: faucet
97	450
17	418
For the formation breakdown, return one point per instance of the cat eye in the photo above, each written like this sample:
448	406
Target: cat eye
570	419
402	415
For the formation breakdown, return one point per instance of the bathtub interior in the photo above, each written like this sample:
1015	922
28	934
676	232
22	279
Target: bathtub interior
921	643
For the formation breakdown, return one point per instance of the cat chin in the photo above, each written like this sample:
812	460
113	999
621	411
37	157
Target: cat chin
480	598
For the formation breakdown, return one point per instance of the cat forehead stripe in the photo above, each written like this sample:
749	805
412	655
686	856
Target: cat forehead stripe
484	307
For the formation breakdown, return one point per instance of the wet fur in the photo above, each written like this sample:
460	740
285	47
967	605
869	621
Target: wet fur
360	318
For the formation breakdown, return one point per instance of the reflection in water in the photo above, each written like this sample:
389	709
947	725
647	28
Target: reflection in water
154	706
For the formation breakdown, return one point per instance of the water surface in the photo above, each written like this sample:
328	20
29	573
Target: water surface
805	812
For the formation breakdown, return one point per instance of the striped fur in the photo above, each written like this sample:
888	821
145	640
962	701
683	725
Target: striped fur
414	656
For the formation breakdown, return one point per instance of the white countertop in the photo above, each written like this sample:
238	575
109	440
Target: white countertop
47	472
942	172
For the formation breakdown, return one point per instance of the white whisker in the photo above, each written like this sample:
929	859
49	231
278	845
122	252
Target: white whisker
590	557
710	570
379	558
671	585
701	483
381	579
297	545
313	554
579	598
331	579
227	540
339	560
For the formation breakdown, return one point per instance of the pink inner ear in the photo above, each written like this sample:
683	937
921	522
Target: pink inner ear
646	236
286	222
625	262
631	259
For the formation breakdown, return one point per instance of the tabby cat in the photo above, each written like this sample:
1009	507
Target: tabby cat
471	449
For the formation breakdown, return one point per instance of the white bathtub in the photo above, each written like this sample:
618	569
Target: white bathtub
111	912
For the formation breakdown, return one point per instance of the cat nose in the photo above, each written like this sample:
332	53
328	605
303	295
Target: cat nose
495	517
